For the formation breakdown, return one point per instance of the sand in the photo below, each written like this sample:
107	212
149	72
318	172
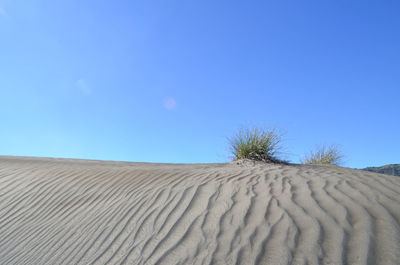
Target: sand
64	211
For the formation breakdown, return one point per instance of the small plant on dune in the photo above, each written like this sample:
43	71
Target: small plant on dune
324	155
256	144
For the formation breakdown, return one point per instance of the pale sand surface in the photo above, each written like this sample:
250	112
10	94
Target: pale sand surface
64	211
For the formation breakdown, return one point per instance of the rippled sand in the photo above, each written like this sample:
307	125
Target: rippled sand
64	211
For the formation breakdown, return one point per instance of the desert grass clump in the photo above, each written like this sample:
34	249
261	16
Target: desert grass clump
324	155
256	144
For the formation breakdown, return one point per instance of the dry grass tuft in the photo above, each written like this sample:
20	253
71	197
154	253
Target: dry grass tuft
324	155
256	144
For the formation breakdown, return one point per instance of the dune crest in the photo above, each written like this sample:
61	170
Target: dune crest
64	211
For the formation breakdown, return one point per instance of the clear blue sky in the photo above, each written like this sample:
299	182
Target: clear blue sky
168	81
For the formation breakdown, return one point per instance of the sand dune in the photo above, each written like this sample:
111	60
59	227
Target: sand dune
60	211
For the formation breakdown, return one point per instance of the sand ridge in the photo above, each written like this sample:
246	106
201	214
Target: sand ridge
65	211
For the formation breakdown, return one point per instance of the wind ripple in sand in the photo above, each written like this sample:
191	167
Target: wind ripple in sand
60	211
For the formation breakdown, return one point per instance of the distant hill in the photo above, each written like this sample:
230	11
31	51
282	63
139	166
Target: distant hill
388	169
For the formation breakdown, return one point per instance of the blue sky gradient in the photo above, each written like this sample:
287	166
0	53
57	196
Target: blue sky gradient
168	81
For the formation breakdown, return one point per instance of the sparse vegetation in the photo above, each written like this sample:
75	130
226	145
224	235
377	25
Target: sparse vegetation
256	144
324	155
